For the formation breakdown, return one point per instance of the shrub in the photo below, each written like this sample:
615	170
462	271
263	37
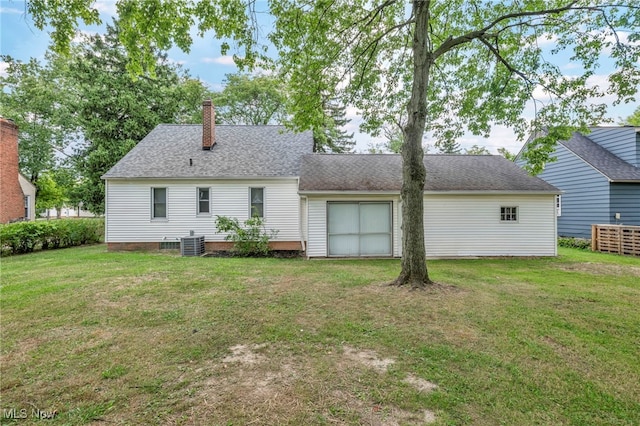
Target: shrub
578	243
249	239
25	237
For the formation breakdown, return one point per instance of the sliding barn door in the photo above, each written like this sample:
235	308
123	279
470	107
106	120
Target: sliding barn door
359	229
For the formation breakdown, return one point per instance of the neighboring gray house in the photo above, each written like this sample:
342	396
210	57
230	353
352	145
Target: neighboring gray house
180	177
599	175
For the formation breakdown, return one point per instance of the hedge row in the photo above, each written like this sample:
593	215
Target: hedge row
25	237
579	243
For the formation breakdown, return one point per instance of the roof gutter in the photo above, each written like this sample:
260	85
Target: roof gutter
197	178
432	192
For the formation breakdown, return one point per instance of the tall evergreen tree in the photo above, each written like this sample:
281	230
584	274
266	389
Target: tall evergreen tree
329	135
448	146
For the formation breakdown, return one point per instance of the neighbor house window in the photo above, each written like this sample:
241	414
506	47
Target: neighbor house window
159	203
256	202
508	214
558	205
203	201
26	207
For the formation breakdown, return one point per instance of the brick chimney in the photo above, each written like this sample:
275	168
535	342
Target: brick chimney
208	125
11	196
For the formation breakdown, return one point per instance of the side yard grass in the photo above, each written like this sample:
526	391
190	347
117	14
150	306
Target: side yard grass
150	338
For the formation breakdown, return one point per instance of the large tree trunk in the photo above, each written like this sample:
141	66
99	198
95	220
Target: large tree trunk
414	267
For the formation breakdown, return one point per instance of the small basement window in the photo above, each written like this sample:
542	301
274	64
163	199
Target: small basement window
508	214
169	245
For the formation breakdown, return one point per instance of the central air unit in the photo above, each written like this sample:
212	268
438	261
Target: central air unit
193	245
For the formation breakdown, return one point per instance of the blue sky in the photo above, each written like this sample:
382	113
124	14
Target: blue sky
20	39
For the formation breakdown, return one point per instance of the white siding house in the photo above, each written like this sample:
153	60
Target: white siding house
29	191
473	206
461	225
130	217
179	178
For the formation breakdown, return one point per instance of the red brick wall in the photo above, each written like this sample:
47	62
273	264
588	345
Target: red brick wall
208	125
11	197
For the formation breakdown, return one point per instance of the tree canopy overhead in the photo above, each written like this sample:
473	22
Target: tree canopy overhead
251	100
443	66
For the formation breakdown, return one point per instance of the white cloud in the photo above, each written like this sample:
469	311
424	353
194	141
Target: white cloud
572	66
82	35
176	61
3	69
107	7
214	87
546	40
220	60
11	11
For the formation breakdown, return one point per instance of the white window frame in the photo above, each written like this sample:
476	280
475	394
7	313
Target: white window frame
558	205
264	201
509	214
198	212
153	204
27	207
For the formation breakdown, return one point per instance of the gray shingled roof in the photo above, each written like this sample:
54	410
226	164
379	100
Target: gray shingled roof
239	152
383	172
610	165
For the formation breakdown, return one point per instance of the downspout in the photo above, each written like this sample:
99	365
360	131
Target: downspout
305	209
106	208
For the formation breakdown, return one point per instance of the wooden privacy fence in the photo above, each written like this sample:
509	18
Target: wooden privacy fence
619	239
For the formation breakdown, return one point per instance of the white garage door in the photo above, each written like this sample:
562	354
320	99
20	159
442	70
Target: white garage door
359	229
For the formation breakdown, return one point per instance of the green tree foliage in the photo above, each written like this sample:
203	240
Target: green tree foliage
31	94
633	119
48	193
263	99
447	66
507	154
477	150
115	111
392	144
251	100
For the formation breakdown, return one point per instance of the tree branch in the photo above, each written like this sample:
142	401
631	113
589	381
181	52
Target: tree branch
452	42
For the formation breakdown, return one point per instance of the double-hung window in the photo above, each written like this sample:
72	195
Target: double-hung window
256	202
158	203
508	214
27	200
204	205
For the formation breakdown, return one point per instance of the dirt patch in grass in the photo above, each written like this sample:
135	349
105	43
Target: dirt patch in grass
367	358
244	354
265	384
601	269
420	384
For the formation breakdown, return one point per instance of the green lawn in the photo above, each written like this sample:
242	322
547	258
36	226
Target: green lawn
149	338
